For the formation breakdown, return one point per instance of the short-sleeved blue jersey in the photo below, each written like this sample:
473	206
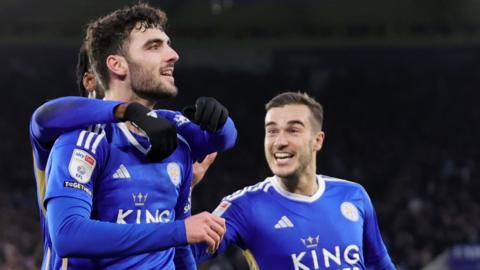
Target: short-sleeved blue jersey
110	171
336	228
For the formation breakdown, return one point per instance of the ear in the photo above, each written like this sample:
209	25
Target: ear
117	65
318	140
89	82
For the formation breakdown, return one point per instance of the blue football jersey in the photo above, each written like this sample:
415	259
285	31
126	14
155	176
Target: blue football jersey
70	113
109	170
336	228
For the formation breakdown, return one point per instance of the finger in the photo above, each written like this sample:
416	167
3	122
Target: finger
223	118
210	243
207	116
208	160
199	109
218	228
212	123
212	233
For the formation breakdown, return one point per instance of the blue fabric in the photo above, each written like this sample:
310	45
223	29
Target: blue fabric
336	228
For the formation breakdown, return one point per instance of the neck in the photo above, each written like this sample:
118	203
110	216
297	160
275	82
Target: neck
120	91
304	184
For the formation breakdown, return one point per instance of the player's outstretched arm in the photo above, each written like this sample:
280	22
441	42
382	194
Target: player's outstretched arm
66	114
71	113
74	234
236	232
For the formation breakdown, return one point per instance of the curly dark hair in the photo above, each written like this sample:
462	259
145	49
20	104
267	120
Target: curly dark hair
108	35
298	98
83	66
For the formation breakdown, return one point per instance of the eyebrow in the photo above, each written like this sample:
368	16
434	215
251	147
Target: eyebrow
290	123
156	40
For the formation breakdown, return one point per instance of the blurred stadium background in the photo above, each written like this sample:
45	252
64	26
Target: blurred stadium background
398	80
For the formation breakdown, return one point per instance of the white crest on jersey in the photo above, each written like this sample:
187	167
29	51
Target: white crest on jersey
349	211
180	120
173	171
81	166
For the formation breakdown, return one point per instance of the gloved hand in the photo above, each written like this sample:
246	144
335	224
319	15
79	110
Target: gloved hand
162	134
208	113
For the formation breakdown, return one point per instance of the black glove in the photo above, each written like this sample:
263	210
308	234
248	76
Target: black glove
162	134
208	113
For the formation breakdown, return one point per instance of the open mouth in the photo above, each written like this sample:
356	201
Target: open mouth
168	73
282	156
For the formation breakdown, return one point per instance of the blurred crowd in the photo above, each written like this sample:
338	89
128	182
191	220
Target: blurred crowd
407	134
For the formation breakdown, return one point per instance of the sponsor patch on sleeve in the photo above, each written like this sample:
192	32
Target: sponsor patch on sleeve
81	166
221	208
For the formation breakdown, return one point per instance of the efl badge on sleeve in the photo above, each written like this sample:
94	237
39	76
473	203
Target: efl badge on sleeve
221	208
173	171
81	166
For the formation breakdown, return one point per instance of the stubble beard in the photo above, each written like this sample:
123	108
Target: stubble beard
145	84
304	161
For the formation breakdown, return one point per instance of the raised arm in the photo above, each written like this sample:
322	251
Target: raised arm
66	114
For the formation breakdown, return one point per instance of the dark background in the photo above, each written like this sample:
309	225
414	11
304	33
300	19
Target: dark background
398	80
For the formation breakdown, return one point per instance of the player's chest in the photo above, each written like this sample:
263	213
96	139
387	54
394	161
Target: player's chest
136	187
317	236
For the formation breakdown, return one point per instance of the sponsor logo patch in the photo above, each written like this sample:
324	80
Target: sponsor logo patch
221	208
173	171
81	166
349	211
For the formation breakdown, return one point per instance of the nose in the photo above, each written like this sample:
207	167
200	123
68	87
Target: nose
172	55
281	140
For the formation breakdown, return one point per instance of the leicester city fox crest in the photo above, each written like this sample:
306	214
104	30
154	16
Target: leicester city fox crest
173	171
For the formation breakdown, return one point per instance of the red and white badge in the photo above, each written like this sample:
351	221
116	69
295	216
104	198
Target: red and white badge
221	208
81	166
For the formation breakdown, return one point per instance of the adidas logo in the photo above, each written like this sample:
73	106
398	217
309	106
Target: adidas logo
121	172
283	223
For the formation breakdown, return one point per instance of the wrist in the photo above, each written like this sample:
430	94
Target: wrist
119	111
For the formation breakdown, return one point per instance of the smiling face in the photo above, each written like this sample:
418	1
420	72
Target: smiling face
291	141
151	63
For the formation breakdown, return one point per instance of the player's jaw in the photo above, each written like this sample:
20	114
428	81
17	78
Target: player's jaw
291	161
153	83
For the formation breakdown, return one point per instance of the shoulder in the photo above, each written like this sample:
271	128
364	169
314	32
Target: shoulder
332	183
88	139
250	193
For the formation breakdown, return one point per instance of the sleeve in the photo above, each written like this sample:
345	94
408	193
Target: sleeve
62	115
202	142
74	234
237	231
75	163
375	252
183	258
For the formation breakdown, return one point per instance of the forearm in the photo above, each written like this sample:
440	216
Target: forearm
74	234
209	142
69	113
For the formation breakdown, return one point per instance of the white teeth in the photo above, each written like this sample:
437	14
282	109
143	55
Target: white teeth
282	155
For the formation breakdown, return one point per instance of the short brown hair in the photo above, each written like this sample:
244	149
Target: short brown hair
298	98
107	35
